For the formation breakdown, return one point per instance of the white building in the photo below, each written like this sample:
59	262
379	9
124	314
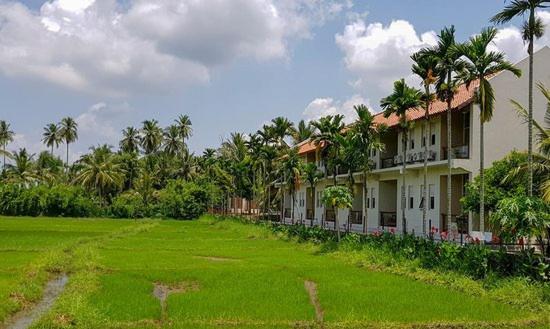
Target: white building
381	206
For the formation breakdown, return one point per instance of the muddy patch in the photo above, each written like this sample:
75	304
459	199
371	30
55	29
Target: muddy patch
162	291
311	288
217	259
26	317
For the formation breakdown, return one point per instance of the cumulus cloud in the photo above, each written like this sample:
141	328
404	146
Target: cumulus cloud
105	48
321	107
378	54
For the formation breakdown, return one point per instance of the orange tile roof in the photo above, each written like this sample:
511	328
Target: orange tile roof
463	97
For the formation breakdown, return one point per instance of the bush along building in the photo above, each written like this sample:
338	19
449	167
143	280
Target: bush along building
379	205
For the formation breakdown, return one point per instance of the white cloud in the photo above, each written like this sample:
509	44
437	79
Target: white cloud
509	40
321	107
377	55
101	47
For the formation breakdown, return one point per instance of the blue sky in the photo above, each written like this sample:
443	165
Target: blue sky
112	65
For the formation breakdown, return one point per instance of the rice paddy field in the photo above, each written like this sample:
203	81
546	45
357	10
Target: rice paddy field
214	273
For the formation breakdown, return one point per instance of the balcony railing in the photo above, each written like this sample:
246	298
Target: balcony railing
387	163
356	217
412	157
388	219
457	152
309	214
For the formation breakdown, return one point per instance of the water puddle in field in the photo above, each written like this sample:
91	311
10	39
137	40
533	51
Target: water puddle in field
25	318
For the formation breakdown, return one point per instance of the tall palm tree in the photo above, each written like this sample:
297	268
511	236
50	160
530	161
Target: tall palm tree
183	122
51	137
302	132
367	135
402	99
328	129
6	136
151	136
100	172
480	64
282	127
173	142
425	67
21	170
68	132
291	168
533	28
312	175
449	62
130	140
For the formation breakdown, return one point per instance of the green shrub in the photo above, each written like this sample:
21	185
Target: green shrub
182	200
129	205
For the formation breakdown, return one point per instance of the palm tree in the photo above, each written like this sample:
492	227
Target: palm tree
6	136
312	175
302	132
151	136
130	140
100	171
173	142
51	137
367	135
449	62
398	103
326	138
22	169
480	64
532	28
68	132
48	168
425	67
291	168
183	122
282	128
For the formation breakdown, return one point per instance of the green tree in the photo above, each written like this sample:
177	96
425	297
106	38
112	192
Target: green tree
291	170
22	170
184	126
325	138
173	142
480	64
68	132
337	197
312	175
402	99
130	140
302	132
6	136
533	28
282	128
151	136
51	136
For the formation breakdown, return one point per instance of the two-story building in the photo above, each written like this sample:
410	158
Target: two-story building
378	206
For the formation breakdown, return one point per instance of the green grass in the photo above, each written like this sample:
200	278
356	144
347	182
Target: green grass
244	278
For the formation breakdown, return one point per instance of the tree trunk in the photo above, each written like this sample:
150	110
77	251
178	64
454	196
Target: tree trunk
67	162
403	198
313	197
337	223
530	122
449	161
426	134
363	208
293	203
481	180
4	156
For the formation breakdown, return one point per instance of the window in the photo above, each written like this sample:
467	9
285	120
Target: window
373	199
373	153
421	206
466	124
411	197
432	130
367	200
432	196
423	140
412	143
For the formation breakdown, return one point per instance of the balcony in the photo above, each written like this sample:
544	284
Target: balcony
412	157
457	152
309	214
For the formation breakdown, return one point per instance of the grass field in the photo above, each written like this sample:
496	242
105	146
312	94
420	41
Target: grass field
212	274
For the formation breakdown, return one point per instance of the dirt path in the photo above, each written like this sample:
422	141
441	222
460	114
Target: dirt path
25	318
162	291
311	288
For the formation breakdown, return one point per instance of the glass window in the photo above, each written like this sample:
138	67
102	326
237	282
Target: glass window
432	130
432	196
411	197
373	199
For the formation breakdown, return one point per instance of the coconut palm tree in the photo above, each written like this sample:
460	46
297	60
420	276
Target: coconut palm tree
151	136
51	137
6	136
402	99
480	64
21	170
183	122
173	142
449	62
425	67
291	170
100	172
130	140
328	129
68	132
533	28
367	135
302	132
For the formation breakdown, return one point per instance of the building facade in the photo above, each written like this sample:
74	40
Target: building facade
377	205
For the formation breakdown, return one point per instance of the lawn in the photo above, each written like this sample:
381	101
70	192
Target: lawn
211	274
